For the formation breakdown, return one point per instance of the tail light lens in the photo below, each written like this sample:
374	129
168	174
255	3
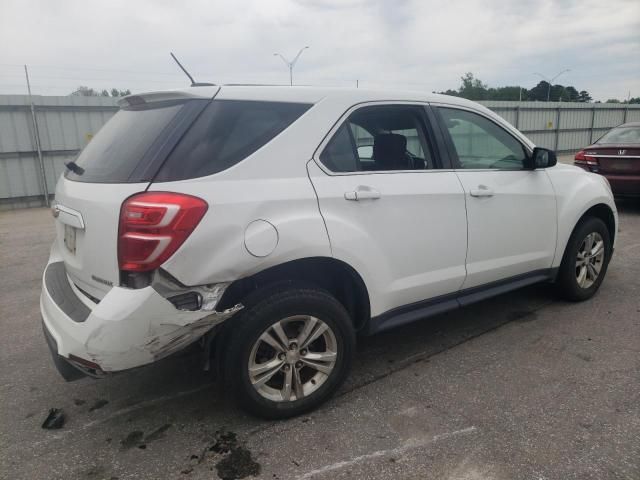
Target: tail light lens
153	225
582	159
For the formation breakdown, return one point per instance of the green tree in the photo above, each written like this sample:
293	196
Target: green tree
584	96
634	100
512	93
453	93
572	94
612	100
472	88
539	92
84	91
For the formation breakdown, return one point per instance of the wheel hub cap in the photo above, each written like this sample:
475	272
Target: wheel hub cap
590	260
292	358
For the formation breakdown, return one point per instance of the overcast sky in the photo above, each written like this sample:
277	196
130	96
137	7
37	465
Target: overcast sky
419	45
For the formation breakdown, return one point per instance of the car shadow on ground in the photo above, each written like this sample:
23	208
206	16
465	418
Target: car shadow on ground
628	205
156	389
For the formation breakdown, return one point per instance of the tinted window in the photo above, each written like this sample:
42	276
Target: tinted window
621	135
339	154
119	147
225	133
480	143
381	138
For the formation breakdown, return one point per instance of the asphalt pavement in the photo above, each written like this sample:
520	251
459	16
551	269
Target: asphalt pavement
523	386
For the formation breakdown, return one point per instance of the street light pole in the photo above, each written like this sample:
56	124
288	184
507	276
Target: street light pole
291	63
550	81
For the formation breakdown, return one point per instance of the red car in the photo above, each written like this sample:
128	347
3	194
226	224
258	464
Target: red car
616	155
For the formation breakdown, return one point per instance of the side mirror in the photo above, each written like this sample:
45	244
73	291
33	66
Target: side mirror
542	158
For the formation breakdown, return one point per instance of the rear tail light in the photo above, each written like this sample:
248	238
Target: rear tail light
153	225
582	159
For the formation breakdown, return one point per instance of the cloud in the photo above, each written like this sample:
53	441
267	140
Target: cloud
410	44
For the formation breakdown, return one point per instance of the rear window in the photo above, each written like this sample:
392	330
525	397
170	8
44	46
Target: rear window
621	135
226	132
120	147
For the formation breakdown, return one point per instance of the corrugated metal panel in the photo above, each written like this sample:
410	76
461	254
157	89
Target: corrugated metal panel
568	140
67	123
538	119
608	117
575	118
542	139
509	114
633	115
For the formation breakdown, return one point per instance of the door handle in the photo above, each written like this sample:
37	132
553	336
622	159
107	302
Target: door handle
481	191
362	193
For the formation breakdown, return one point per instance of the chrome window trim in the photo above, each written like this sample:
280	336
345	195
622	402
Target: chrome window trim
612	156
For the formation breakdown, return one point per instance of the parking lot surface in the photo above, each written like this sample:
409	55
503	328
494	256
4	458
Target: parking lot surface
523	386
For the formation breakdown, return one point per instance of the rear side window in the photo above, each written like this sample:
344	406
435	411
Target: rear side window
621	135
227	132
119	148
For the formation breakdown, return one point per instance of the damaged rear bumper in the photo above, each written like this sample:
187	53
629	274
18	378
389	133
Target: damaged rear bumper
128	328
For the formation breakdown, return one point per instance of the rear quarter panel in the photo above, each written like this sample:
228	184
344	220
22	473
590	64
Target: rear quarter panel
272	185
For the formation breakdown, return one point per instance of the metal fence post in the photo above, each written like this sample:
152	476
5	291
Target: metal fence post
555	148
593	122
626	111
43	176
518	117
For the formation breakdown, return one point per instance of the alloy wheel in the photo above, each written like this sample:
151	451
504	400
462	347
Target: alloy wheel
590	260
293	358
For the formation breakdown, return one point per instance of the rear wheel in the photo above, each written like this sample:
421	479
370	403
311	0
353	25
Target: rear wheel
585	260
289	350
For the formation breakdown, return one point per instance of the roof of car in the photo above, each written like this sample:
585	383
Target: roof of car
309	94
630	124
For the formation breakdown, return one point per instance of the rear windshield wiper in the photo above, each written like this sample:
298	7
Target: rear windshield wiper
75	168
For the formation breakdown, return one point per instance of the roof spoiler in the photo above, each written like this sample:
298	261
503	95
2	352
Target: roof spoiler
151	97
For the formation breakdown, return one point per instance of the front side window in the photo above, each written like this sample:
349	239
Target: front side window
380	138
481	144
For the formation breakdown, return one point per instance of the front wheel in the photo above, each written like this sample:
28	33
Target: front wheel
289	350
585	260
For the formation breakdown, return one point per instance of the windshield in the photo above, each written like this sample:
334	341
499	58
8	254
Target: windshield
621	135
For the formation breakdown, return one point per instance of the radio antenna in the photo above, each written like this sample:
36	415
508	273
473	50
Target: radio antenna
193	82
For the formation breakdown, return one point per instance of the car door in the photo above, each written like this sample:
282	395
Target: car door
511	210
391	212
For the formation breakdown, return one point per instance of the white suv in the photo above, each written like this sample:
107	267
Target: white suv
270	225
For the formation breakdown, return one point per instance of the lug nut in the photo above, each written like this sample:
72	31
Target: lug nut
293	346
303	351
281	356
298	364
286	368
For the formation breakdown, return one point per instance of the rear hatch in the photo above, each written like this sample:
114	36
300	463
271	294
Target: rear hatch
119	161
616	160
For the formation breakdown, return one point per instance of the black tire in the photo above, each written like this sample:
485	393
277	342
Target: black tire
262	310
567	283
